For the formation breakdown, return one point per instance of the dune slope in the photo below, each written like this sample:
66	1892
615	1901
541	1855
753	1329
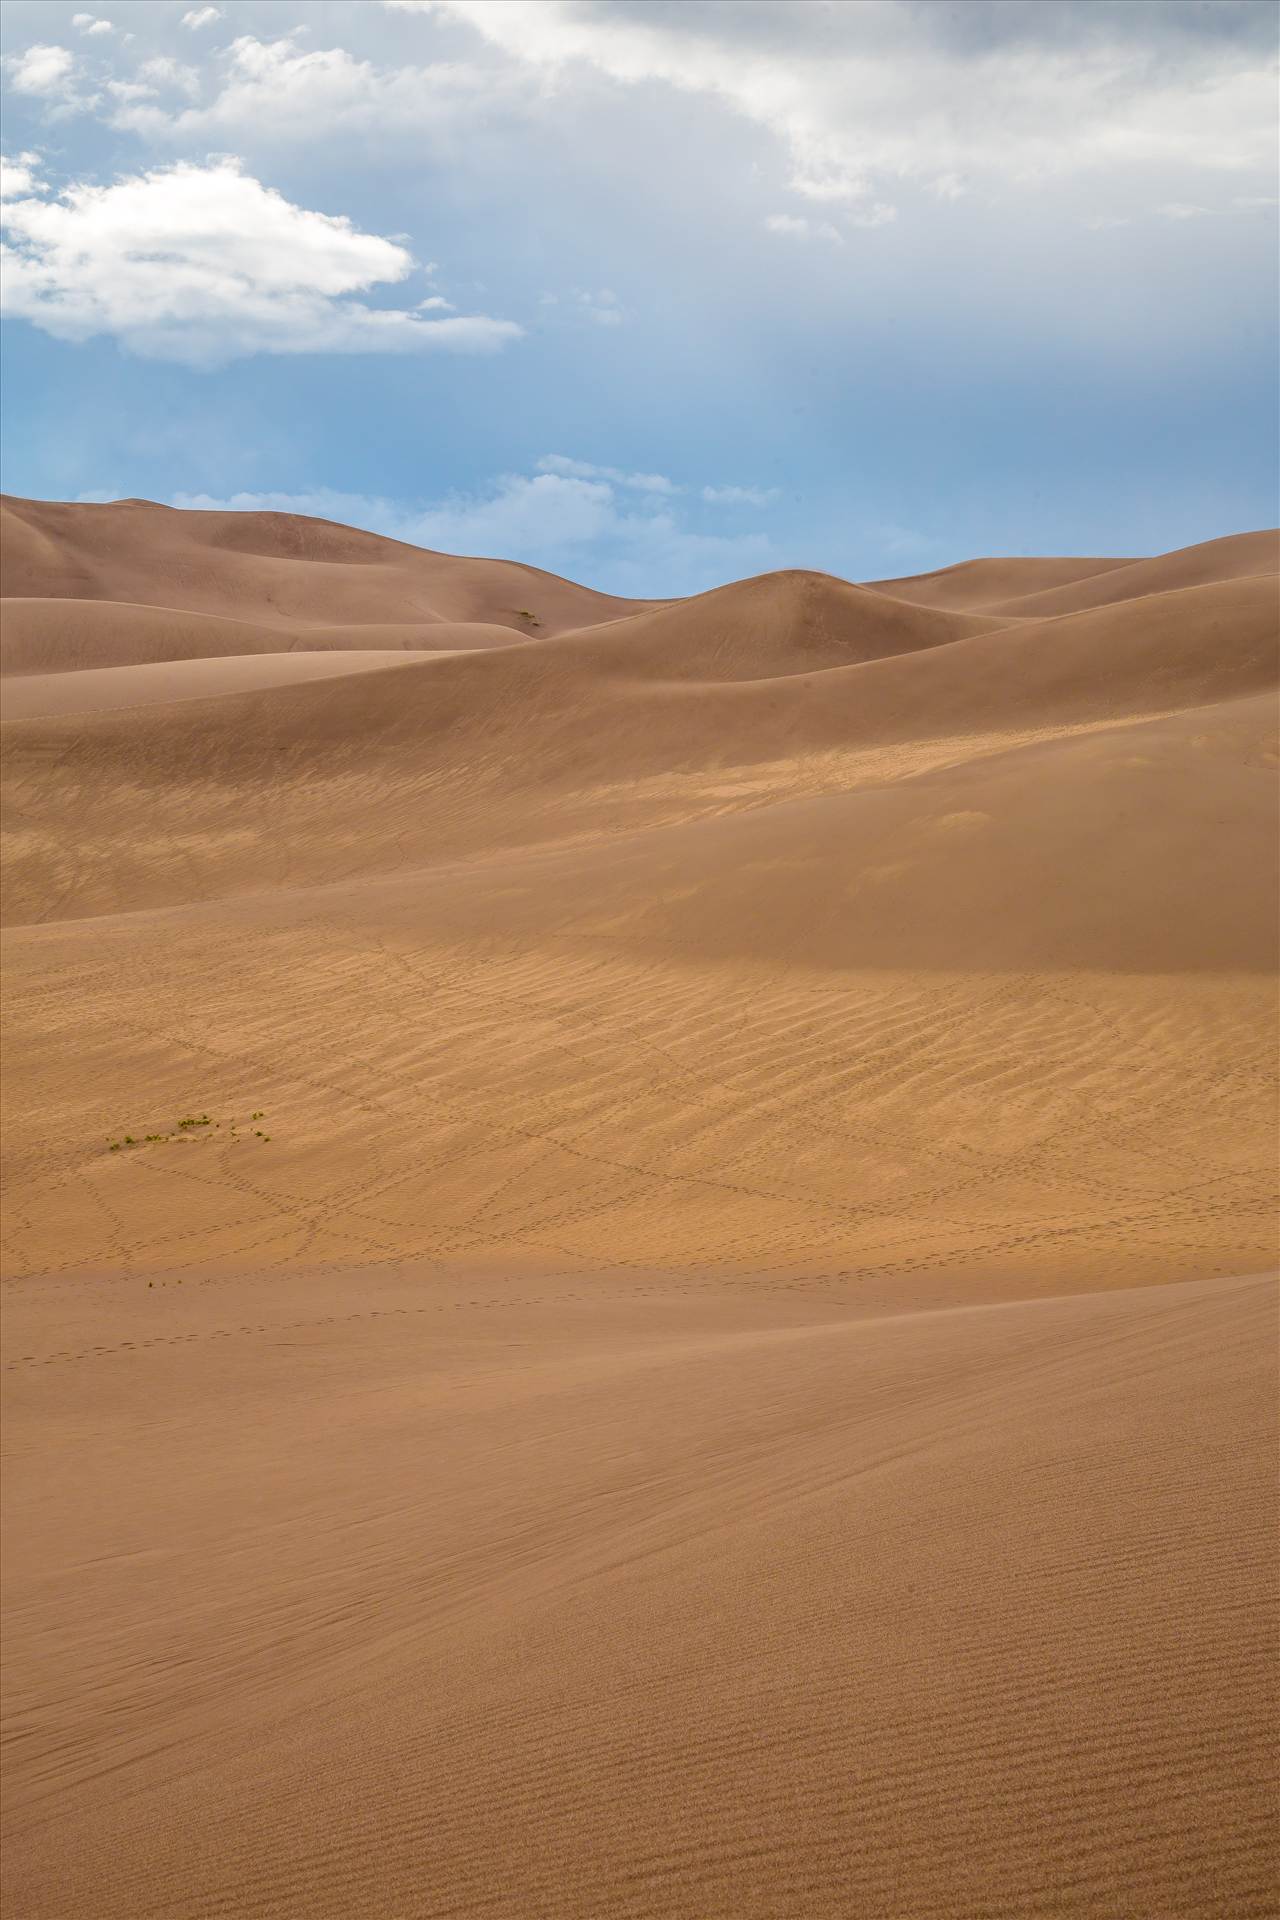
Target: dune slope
92	636
271	569
657	911
1240	556
43	696
644	720
561	1603
706	1346
974	585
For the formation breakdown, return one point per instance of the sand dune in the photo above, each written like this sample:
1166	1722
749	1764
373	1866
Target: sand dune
588	731
715	1380
272	569
1040	589
975	585
1008	861
68	636
1239	557
43	696
771	627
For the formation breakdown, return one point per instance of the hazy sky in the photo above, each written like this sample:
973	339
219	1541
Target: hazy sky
652	292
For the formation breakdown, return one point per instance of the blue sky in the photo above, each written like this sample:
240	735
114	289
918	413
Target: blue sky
659	294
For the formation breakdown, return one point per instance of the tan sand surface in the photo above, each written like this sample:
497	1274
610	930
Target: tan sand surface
34	696
273	568
976	584
381	1593
698	1365
1237	557
66	636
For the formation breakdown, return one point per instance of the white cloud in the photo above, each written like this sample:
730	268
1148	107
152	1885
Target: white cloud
559	463
523	517
204	264
739	496
862	101
878	214
947	99
128	90
581	304
43	72
90	23
162	72
197	17
601	308
18	176
800	227
276	91
563	522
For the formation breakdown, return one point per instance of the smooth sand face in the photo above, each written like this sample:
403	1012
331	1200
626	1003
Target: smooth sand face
44	696
627	1595
723	1391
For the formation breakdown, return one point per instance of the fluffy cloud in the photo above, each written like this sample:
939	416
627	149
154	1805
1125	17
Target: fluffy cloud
197	17
43	72
565	522
91	23
559	463
800	227
204	264
866	103
162	73
950	100
274	90
18	176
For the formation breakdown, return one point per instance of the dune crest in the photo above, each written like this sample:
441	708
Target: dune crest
271	569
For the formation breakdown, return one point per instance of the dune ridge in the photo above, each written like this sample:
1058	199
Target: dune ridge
707	1346
978	585
68	636
270	569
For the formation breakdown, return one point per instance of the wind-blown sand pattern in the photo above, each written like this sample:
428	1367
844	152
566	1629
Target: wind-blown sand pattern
732	1369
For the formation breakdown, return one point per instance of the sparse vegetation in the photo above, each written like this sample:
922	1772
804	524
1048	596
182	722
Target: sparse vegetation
188	1128
523	613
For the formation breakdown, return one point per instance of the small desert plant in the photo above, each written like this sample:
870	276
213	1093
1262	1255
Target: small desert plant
185	1129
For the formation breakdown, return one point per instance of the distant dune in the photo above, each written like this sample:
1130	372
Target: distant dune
272	569
976	586
706	1347
1246	556
67	636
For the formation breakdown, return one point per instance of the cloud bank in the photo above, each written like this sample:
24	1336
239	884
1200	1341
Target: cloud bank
203	264
576	523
